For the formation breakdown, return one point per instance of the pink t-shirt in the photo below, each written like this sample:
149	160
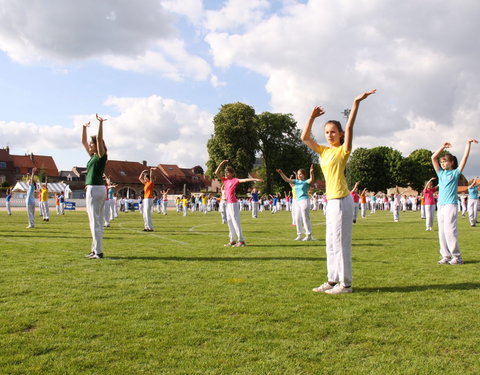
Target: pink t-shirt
229	185
428	198
355	197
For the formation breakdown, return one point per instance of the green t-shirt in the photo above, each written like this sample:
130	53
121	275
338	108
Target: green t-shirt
95	169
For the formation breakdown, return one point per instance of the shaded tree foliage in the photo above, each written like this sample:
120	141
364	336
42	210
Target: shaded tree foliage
280	147
235	139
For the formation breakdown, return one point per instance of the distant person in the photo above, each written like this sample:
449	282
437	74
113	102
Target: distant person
8	199
473	201
230	183
30	200
147	179
44	209
429	203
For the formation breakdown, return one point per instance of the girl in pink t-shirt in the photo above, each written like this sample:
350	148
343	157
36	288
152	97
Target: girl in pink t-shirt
230	183
429	203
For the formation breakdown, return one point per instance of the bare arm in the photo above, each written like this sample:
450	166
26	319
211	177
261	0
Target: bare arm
306	136
466	153
428	182
100	143
355	187
312	174
141	178
284	178
219	169
241	180
436	154
84	137
352	117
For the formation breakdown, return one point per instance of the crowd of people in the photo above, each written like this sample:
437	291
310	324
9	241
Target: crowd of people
340	205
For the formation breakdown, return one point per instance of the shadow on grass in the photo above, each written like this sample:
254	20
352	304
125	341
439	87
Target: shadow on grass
217	259
419	288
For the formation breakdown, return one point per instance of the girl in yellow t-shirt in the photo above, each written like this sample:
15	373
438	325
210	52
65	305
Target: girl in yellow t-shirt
340	203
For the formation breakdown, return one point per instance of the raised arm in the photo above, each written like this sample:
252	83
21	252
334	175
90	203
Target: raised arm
100	144
241	180
428	182
219	169
284	178
151	173
306	136
312	174
474	183
354	189
352	117
436	154
141	178
84	137
466	153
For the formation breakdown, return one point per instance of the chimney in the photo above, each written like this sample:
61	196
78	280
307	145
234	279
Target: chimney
144	163
31	156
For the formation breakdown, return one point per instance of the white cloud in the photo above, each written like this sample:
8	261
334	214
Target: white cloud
136	36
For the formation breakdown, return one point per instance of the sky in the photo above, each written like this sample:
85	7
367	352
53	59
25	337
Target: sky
159	71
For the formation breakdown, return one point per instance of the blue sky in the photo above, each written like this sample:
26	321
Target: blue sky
159	70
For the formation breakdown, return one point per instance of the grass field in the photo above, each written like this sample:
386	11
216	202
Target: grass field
175	301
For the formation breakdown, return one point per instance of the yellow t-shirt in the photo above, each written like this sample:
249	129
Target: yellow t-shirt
185	202
333	161
44	195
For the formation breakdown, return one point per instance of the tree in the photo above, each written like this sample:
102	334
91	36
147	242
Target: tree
281	147
235	139
421	169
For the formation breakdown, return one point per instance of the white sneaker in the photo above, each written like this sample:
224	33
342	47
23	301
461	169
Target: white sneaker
323	288
444	261
339	289
456	260
298	238
307	238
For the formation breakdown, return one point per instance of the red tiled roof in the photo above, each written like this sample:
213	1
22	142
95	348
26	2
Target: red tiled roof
127	172
171	170
41	162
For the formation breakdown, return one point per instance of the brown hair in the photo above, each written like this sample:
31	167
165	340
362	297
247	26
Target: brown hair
339	128
448	156
230	169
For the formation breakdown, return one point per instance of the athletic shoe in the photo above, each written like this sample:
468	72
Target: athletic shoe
456	260
90	254
444	261
323	288
230	244
339	289
298	238
239	244
96	256
29	226
307	238
429	228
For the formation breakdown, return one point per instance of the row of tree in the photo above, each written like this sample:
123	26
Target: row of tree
240	136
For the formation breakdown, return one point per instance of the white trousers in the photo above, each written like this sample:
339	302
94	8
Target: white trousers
473	211
254	209
422	211
147	213
339	240
363	207
448	231
184	210
355	211
9	209
233	221
164	207
396	213
293	211
95	201
222	208
31	214
45	211
302	217
429	214
106	212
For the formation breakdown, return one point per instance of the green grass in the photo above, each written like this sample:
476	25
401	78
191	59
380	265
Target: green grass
176	301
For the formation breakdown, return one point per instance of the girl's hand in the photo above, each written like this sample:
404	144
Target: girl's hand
447	145
471	140
312	168
365	95
279	170
317	112
100	118
86	125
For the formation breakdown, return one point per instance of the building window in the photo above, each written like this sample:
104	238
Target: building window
29	170
17	170
3	164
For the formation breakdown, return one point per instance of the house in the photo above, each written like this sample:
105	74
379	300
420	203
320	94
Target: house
7	168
